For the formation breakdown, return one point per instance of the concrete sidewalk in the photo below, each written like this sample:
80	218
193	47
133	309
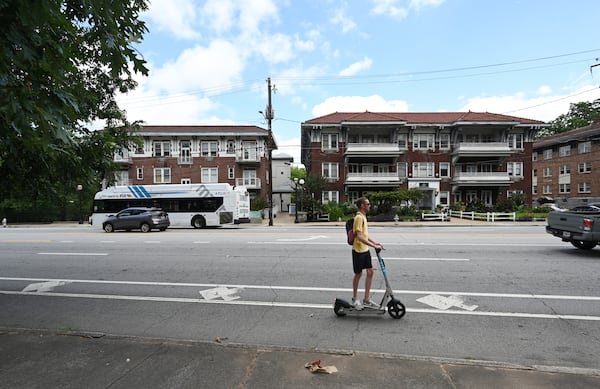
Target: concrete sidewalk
40	359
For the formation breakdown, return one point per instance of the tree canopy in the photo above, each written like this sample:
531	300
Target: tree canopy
580	115
61	65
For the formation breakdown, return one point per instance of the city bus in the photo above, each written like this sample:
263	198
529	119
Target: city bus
242	205
196	205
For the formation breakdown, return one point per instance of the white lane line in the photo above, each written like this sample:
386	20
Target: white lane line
413	244
92	254
426	259
298	305
312	289
201	242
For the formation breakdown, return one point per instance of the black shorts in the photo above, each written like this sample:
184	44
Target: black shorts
361	261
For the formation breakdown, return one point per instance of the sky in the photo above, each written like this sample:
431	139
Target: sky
209	60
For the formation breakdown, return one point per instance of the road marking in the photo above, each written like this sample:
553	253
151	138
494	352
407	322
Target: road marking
42	287
84	254
312	289
202	242
25	241
425	259
298	305
413	244
443	303
302	239
222	293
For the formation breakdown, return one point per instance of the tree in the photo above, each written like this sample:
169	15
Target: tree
580	115
61	65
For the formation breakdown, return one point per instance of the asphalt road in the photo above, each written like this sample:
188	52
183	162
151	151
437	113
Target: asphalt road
509	294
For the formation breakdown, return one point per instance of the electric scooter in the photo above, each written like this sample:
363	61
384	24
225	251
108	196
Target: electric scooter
394	307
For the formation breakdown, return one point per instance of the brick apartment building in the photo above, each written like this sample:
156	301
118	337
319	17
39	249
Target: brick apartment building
234	154
451	156
566	167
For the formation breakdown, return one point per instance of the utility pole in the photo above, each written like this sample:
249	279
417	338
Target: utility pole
270	143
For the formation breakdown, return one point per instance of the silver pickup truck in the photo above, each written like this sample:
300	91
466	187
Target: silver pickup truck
579	226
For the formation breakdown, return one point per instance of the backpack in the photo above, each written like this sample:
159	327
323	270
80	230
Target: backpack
350	231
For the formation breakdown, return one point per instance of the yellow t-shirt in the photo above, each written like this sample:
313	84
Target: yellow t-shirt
360	224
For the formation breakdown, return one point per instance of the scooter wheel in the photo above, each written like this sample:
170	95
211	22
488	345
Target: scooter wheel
339	309
396	309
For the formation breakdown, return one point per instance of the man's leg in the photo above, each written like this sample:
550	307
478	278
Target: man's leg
355	283
368	281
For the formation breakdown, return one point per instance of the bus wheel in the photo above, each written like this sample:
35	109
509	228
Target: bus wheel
199	222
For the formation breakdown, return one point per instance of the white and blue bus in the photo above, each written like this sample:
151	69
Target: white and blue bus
196	205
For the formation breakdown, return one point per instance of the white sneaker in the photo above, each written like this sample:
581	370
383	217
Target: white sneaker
370	304
357	304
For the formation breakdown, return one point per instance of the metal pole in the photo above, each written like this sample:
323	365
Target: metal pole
296	202
80	190
270	152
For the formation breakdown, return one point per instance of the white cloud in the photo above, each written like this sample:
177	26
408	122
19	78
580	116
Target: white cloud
219	14
418	4
220	64
373	103
357	67
544	90
340	19
290	146
394	9
175	16
388	7
545	108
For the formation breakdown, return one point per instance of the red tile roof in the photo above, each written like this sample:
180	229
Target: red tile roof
418	117
203	129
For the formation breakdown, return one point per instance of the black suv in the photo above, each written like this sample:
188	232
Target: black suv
144	219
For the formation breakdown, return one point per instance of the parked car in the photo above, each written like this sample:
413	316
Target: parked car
144	219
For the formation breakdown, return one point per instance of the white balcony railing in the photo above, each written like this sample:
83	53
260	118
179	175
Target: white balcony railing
249	183
382	177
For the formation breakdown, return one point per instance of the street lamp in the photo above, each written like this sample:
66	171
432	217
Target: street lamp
80	191
298	183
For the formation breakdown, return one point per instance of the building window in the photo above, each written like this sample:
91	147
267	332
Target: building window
402	169
210	175
230	173
534	156
515	169
547	189
139	149
444	141
230	146
329	142
162	175
140	173
534	174
444	169
564	188
162	149
564	169
185	152
403	141
330	196
534	189
208	149
423	141
329	170
584	187
564	151
423	169
548	154
511	193
515	141
186	181
584	147
444	198
585	167
547	172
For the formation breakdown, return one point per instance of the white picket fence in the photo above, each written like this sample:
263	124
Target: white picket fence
485	216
